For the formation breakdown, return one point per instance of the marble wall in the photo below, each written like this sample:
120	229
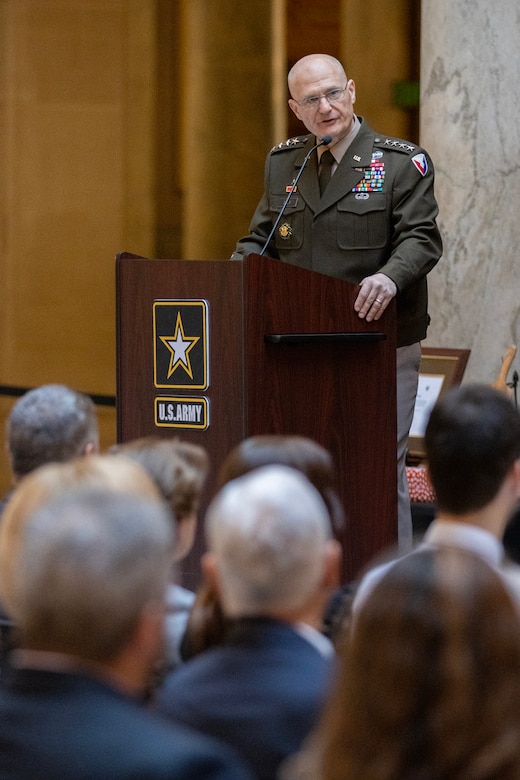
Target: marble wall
470	124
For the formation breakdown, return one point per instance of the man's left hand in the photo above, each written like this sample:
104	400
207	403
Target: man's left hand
375	293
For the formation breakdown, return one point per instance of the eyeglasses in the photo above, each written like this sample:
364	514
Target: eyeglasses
332	96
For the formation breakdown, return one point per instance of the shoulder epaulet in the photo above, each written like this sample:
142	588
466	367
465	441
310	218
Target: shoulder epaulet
291	143
394	143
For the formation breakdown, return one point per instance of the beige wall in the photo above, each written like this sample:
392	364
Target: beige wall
76	188
76	182
379	48
227	120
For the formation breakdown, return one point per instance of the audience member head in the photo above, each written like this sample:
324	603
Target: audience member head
472	445
51	423
429	683
206	623
269	545
99	471
179	470
93	566
298	452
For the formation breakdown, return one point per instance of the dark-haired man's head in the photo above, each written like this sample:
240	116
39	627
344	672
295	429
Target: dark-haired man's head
472	444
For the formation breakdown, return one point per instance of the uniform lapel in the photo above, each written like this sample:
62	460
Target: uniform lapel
308	185
350	171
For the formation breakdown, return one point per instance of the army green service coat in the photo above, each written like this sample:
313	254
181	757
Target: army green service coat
378	214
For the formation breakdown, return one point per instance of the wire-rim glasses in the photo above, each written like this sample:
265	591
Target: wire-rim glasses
331	96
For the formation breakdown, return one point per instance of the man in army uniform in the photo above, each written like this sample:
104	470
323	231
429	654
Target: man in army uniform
372	224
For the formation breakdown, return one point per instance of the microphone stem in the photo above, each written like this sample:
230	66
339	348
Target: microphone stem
291	191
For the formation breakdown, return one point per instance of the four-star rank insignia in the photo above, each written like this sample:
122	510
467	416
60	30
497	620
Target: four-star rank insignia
180	334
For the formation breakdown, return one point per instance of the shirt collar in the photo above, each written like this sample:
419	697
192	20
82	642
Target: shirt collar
318	640
339	148
470	537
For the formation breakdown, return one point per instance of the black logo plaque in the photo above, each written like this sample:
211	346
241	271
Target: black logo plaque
181	349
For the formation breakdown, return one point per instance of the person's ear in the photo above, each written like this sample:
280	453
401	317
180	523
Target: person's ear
185	536
351	87
332	568
90	449
295	108
515	470
149	629
143	650
209	568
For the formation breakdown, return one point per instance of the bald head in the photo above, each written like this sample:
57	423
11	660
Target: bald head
322	97
312	66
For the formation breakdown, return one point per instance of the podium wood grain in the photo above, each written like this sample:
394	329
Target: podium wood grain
337	391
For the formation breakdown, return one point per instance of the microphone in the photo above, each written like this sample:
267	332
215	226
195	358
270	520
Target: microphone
325	141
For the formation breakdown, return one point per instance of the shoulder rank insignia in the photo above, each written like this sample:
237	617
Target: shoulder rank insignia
395	143
289	144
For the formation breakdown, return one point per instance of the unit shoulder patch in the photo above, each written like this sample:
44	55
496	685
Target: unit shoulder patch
421	163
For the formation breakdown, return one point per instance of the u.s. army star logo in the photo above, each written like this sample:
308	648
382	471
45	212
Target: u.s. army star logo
180	344
179	347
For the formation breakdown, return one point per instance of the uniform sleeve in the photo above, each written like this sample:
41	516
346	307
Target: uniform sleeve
416	240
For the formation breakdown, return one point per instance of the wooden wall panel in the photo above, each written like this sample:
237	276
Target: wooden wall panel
378	44
77	113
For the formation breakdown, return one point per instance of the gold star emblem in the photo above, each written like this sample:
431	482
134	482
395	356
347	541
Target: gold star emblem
179	346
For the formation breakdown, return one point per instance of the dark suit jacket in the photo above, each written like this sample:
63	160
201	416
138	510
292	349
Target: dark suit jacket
61	726
378	214
260	692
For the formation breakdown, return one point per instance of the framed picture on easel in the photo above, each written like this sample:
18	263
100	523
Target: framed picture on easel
440	369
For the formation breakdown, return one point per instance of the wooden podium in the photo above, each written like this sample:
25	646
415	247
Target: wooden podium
215	351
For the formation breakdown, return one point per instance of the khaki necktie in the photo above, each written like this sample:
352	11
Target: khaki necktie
326	162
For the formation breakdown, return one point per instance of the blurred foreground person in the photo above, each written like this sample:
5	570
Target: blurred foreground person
206	622
37	486
273	563
429	684
178	469
472	444
87	594
49	481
